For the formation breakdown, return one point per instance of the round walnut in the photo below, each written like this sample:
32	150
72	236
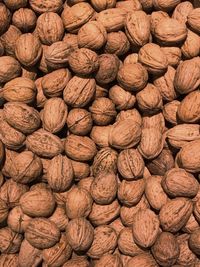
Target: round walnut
50	28
104	188
26	167
59	217
54	82
170	31
9	39
85	183
153	59
165	5
28	49
156	17
54	114
125	134
100	134
100	5
121	98
21	116
80	148
78	203
5	16
9	69
17	220
58	254
132	114
108	68
83	61
77	262
104	214
149	100
132	77
112	260
11	192
46	6
191	47
131	58
60	173
105	160
29	255
130	164
103	111
130	192
117	43
80	234
38	203
168	241
81	169
3	210
135	21
193	19
129	5
24	19
76	16
79	121
79	91
173	55
20	90
170	111
8	260
41	233
105	241
92	35
10	241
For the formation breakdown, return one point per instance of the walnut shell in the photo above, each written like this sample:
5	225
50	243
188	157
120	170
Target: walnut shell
130	164
132	77
3	210
105	160
100	5
165	5
78	203
22	117
124	134
5	16
92	35
117	43
126	243
10	137
59	217
50	28
53	6
38	203
182	11
10	241
169	242
154	192
80	148
24	19
80	234
18	220
103	111
77	262
156	17
104	188
193	19
113	19
188	110
81	169
152	57
54	83
79	121
83	61
8	260
112	260
149	99
104	214
184	82
145	228
132	114
54	114
58	254
135	21
28	49
130	192
25	168
191	46
79	91
44	144
76	16
172	221
173	55
170	31
9	69
20	90
170	111
100	135
105	241
141	260
133	5
121	98
60	173
108	68
41	233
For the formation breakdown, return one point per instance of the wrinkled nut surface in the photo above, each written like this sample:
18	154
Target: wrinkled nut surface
99	133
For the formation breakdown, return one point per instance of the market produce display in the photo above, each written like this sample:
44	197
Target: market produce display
99	133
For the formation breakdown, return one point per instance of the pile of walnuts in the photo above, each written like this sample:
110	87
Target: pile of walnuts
99	133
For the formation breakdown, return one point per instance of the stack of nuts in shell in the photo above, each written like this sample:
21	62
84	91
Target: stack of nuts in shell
99	133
